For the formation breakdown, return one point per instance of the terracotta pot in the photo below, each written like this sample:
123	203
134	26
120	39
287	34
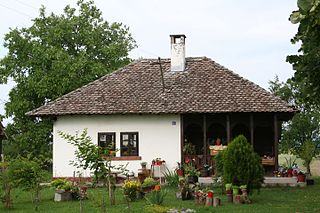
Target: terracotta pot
237	199
301	178
209	201
216	202
244	192
230	198
157	187
180	172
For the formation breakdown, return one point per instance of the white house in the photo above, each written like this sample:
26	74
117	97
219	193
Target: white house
151	107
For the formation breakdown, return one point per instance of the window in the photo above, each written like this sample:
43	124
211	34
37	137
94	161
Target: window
129	142
107	138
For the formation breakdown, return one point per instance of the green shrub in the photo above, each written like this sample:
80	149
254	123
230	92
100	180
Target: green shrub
148	182
241	165
171	177
156	197
61	184
28	175
219	162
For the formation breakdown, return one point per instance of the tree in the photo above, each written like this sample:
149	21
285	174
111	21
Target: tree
97	159
241	165
54	56
28	175
307	63
301	135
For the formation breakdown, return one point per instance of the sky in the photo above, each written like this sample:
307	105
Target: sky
250	37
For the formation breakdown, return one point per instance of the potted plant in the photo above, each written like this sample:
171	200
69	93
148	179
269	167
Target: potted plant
192	173
143	165
301	177
228	188
131	189
185	191
243	189
229	192
290	163
205	170
63	190
189	149
198	195
235	190
180	170
148	184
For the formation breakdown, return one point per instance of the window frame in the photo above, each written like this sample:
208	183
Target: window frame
107	133
130	134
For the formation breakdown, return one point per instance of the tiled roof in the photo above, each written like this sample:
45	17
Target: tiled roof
204	87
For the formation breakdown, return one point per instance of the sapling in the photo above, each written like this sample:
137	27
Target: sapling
98	159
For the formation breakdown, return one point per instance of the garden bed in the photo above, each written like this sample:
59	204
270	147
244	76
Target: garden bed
279	199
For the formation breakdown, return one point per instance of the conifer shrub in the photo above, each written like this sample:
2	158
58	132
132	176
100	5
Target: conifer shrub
241	165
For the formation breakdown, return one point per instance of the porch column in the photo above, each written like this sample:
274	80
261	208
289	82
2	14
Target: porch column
228	128
276	139
205	137
251	129
181	138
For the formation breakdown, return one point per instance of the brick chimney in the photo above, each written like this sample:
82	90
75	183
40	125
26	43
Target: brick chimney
178	53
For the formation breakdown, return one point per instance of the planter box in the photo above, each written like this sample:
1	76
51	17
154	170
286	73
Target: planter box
62	195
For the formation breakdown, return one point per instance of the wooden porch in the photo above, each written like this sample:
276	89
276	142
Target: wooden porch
262	130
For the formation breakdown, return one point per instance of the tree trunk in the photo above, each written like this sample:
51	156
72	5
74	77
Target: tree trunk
308	168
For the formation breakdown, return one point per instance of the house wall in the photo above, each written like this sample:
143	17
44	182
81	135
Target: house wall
159	136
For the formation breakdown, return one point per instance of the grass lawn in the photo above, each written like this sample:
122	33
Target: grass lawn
269	200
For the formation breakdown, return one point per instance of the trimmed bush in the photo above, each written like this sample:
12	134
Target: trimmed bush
241	165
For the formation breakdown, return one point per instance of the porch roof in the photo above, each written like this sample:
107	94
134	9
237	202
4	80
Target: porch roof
204	87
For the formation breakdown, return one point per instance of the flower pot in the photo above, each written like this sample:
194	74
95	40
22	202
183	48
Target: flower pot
204	173
157	187
235	191
237	199
230	198
141	177
147	189
186	195
310	182
210	194
216	202
62	195
301	178
180	172
192	179
209	201
244	192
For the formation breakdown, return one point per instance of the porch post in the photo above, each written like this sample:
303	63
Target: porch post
276	139
181	138
228	128
205	137
251	129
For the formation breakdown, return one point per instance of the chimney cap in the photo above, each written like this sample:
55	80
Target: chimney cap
178	36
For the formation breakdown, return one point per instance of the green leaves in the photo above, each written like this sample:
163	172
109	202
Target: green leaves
305	5
54	56
241	165
306	64
296	17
